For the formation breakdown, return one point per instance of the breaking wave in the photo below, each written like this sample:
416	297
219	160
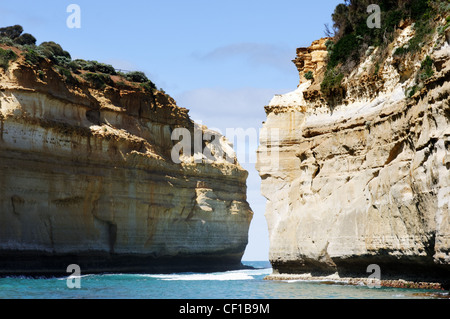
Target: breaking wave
247	274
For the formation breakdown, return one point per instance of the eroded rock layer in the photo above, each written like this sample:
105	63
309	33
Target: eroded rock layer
87	177
363	182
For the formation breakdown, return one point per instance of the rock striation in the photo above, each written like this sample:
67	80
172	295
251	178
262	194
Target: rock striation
87	177
366	181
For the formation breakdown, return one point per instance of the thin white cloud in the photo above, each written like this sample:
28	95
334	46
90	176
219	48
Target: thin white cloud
241	103
255	54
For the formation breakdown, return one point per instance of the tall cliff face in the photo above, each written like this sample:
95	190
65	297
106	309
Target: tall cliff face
364	181
87	177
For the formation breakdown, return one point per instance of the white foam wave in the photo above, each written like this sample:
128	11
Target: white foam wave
220	276
76	277
244	274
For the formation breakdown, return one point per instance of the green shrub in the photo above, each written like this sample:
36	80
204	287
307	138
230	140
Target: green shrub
350	19
343	49
442	29
422	13
389	22
12	32
353	35
427	63
52	50
377	68
423	30
98	80
148	86
105	68
418	8
25	39
411	91
79	64
331	81
67	75
62	61
401	50
329	45
74	67
32	57
6	41
93	66
341	19
136	76
5	57
309	75
426	69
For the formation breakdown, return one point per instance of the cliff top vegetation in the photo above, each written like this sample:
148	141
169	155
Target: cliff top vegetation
352	37
99	75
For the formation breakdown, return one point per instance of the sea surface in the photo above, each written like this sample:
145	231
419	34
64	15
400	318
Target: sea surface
239	284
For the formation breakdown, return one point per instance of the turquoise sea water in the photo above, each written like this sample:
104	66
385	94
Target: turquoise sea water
240	284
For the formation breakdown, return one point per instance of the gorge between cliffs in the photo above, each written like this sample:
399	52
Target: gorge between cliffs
101	169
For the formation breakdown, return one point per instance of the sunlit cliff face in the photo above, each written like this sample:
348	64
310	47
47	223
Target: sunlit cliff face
365	181
87	174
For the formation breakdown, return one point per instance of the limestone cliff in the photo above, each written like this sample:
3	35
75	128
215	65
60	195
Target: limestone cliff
87	177
365	180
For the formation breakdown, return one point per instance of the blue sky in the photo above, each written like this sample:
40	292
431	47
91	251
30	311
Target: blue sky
223	60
